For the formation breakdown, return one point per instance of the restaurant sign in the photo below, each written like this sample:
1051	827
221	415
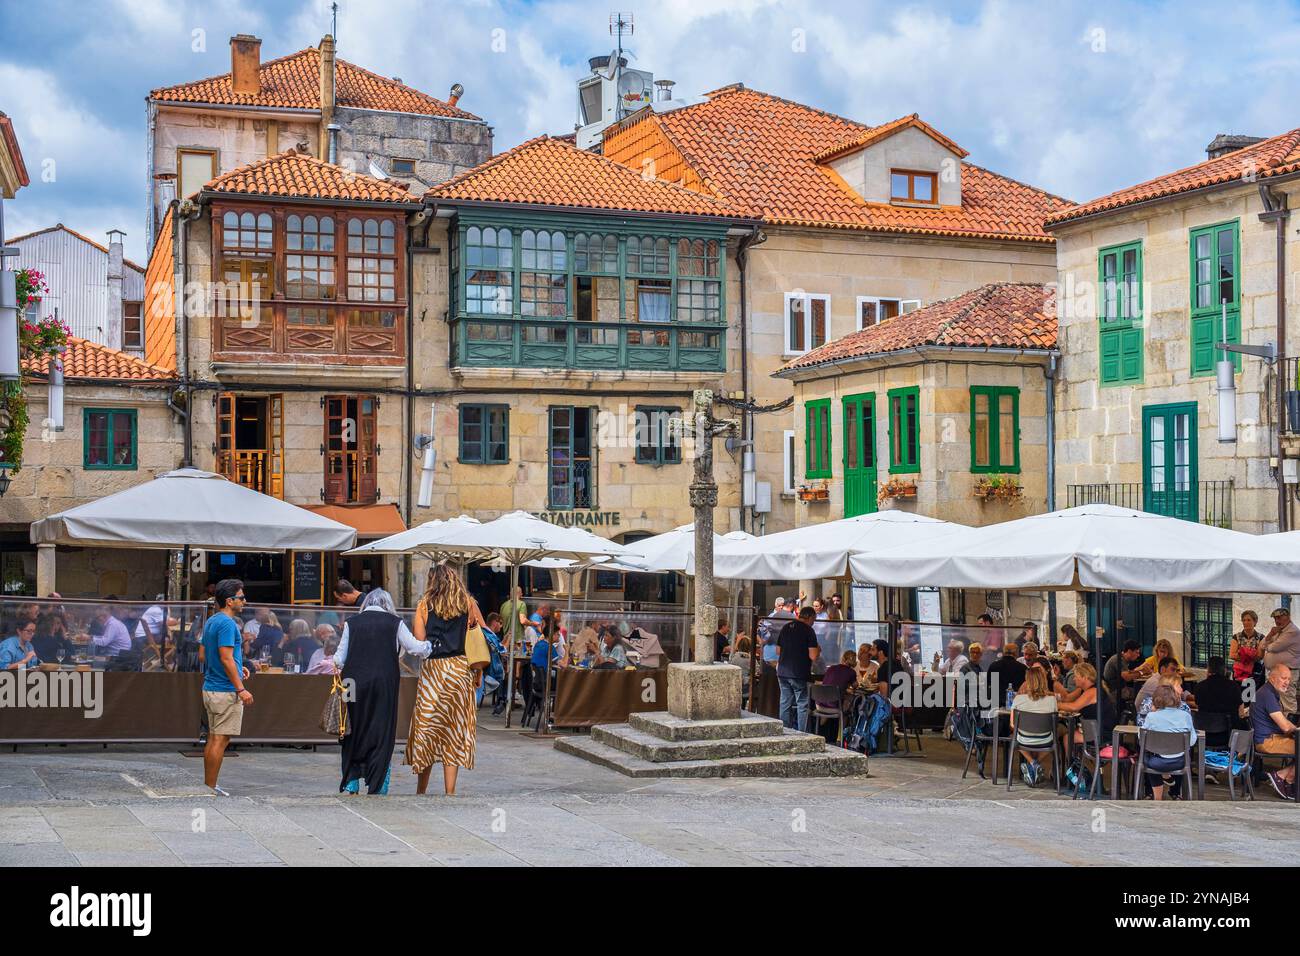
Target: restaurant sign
582	519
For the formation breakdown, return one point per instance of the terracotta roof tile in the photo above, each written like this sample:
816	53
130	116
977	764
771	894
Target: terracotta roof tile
876	134
296	175
293	82
1018	315
1276	156
553	172
99	363
761	152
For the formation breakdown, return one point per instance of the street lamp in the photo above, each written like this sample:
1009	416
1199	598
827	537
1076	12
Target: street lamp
5	480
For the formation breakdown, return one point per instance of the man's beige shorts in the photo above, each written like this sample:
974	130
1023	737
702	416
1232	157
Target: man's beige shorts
225	712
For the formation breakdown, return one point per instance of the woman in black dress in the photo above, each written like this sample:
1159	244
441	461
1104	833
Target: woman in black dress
372	642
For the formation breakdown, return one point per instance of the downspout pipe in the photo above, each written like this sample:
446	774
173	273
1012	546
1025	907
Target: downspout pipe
746	419
1049	373
1276	212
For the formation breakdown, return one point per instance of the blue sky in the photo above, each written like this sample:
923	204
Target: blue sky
1078	98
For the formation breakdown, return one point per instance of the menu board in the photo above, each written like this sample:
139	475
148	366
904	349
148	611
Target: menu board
866	605
307	577
928	612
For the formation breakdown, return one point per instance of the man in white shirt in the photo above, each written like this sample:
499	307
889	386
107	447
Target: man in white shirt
112	638
955	660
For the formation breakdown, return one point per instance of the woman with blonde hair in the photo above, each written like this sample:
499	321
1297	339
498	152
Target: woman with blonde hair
1164	648
1032	699
443	719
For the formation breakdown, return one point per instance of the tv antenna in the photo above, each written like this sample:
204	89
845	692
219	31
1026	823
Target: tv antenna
620	24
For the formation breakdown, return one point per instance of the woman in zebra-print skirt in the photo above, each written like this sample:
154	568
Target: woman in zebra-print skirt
443	720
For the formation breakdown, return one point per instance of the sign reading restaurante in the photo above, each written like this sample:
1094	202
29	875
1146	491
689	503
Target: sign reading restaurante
589	519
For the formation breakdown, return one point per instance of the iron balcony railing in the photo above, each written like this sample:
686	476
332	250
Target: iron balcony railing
1209	502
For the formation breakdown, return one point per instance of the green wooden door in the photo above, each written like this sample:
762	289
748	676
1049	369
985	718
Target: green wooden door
1169	460
859	455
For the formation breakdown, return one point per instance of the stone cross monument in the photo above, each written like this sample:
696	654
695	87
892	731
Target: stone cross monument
705	689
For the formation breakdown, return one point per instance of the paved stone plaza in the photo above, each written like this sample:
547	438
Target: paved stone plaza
526	804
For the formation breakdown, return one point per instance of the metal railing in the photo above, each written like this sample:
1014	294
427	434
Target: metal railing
1209	503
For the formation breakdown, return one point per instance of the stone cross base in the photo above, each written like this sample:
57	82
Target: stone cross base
704	691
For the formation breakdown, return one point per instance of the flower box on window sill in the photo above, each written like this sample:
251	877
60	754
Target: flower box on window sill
999	488
894	489
820	492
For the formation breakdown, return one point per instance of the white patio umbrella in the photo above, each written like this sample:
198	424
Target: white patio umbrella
514	539
1101	547
197	509
823	550
418	540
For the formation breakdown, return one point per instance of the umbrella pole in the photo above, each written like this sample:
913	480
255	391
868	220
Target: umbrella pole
512	624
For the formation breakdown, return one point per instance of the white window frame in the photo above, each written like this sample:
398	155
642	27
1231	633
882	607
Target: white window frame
877	299
789	466
807	298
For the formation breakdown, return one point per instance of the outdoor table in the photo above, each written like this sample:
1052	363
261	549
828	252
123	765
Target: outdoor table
588	696
1132	730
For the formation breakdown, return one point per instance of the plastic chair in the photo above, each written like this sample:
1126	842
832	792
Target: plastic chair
1091	751
1153	742
1034	725
1241	744
536	688
827	705
980	740
1217	727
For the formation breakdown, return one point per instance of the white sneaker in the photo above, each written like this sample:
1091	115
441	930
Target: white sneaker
218	792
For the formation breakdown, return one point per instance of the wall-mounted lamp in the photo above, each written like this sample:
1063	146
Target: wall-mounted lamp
56	392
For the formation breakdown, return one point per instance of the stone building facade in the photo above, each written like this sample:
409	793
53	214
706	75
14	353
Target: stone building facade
118	432
1147	277
206	128
941	412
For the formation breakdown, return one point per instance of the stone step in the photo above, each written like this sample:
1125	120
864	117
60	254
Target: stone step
830	762
650	747
665	726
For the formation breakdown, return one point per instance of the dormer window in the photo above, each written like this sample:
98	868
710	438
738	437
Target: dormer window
908	185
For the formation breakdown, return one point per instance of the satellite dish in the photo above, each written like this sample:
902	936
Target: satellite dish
377	171
632	86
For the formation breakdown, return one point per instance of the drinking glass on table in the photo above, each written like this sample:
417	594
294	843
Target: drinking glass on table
61	653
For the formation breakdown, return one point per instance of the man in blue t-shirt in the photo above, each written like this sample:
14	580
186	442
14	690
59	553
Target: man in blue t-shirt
797	649
1274	733
224	693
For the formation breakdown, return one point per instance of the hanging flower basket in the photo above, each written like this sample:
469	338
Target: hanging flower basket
896	488
999	488
819	492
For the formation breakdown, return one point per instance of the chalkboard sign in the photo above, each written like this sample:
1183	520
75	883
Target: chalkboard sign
609	580
307	578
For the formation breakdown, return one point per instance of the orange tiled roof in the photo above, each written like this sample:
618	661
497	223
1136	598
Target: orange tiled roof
553	172
296	175
75	234
99	363
160	298
1270	157
762	152
1016	315
876	134
293	82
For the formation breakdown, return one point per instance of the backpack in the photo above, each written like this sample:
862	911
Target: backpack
872	718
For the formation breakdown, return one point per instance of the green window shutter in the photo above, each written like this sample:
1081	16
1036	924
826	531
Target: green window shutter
904	431
1214	285
817	439
995	429
1130	355
1120	313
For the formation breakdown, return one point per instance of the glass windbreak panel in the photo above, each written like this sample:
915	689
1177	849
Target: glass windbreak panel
698	340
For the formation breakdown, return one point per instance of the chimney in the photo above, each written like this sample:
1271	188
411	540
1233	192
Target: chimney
245	64
326	92
457	91
1226	143
665	89
113	320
